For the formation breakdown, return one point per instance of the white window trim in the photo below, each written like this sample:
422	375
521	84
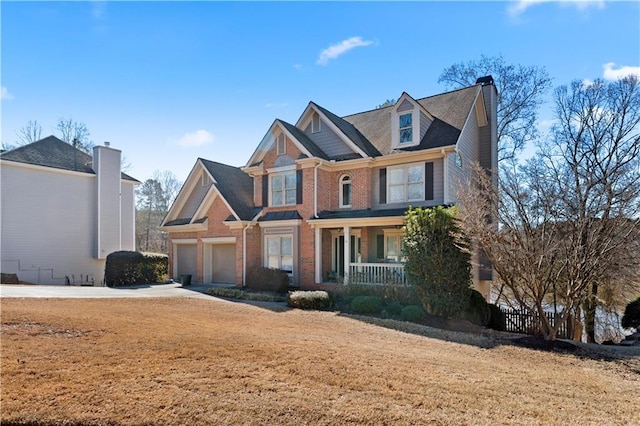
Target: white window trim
415	124
392	233
284	144
313	124
342	183
405	168
266	251
284	189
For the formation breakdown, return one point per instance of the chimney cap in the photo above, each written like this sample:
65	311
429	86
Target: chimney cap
486	80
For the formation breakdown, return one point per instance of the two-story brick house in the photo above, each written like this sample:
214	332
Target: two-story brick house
325	199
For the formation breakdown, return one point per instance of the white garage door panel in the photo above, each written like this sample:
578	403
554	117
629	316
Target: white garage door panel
187	257
223	263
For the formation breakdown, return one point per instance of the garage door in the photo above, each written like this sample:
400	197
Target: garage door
187	257
223	263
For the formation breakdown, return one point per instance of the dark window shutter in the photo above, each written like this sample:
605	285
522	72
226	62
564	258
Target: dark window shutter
265	190
383	186
428	181
299	187
380	246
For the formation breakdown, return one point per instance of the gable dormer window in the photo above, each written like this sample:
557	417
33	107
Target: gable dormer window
406	128
315	123
205	180
281	146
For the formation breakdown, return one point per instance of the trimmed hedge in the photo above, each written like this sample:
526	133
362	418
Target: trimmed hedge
412	313
478	311
366	305
132	267
497	320
267	279
318	300
631	317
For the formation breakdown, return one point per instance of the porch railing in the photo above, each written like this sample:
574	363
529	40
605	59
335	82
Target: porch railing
377	273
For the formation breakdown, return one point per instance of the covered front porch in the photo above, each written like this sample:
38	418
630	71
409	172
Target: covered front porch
359	250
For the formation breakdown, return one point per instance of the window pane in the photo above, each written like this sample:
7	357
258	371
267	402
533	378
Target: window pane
287	263
395	176
406	135
396	194
290	180
415	174
273	245
272	262
291	196
276	198
286	246
415	191
405	120
346	194
276	182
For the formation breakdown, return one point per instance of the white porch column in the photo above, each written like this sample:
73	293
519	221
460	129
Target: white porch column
318	248
347	253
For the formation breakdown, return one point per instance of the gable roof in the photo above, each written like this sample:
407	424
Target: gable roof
235	186
301	137
450	111
55	153
350	131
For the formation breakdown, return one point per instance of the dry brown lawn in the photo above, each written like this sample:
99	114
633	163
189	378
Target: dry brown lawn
193	361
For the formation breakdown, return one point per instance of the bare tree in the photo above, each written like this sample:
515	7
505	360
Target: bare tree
75	133
154	198
30	132
520	93
564	228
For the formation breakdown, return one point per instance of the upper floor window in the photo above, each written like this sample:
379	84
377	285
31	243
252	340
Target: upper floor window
405	183
283	188
345	191
458	159
315	123
281	146
406	127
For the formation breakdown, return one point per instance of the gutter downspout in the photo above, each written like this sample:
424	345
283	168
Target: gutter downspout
244	254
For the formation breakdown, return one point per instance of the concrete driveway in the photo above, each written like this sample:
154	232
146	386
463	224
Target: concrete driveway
150	290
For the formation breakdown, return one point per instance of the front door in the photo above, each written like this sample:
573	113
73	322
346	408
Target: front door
337	263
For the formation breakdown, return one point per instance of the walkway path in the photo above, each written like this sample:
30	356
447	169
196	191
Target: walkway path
151	290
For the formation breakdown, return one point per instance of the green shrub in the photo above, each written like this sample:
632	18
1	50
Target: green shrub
318	300
267	279
437	260
366	305
478	311
132	267
497	320
412	313
393	308
631	317
240	294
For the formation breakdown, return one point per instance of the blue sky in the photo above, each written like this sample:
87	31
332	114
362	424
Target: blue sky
168	82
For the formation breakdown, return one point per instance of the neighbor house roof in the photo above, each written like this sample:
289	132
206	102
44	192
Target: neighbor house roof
235	186
450	110
55	153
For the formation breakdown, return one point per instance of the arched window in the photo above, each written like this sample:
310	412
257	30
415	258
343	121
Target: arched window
345	191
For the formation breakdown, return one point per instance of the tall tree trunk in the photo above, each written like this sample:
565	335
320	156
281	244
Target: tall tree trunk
590	306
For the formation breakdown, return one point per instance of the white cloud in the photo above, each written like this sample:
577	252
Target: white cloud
276	105
520	6
616	74
196	139
4	94
332	52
